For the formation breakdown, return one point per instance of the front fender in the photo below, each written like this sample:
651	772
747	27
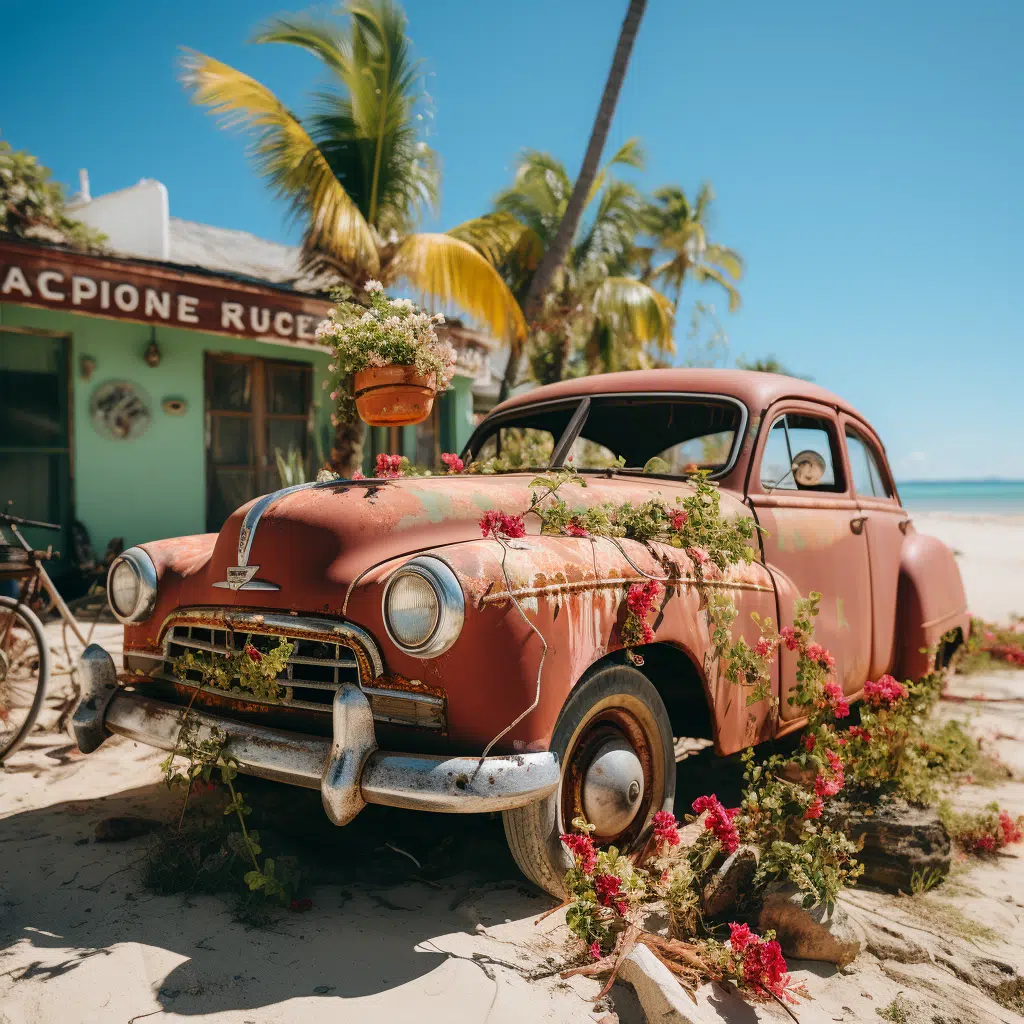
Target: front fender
930	602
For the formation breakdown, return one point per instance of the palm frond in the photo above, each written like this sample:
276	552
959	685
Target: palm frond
704	273
285	154
728	259
635	313
314	35
451	271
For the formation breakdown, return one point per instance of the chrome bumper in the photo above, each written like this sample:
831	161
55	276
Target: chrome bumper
349	770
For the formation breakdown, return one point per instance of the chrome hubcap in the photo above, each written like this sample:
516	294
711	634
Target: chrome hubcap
613	787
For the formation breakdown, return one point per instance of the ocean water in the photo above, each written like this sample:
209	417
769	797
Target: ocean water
967	497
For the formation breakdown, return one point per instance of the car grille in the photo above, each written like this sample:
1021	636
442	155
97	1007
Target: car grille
325	655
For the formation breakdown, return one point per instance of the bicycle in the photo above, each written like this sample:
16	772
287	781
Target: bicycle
24	651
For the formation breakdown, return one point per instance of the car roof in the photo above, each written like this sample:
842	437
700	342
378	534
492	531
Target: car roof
755	389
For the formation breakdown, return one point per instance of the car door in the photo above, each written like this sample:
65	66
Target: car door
813	536
885	524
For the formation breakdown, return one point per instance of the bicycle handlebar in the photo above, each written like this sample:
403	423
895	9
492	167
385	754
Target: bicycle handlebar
6	517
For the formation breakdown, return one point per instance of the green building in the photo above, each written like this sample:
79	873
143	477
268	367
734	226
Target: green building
145	392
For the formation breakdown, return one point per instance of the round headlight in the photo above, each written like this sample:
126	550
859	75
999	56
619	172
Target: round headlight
131	586
423	607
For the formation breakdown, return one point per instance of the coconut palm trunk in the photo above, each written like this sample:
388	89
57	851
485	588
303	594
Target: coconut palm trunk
556	253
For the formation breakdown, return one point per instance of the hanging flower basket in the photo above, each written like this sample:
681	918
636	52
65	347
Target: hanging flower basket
393	396
389	360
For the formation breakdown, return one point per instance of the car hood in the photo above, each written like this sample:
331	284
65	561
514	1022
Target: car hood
313	541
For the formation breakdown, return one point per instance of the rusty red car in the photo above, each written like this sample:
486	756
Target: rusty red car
436	669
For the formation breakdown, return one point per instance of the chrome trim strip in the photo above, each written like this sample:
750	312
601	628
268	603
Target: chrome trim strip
252	518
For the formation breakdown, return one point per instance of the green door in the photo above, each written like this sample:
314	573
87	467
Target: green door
35	441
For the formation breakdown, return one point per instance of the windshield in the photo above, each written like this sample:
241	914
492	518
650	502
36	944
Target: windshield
685	433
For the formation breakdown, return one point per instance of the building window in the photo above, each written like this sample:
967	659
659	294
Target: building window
255	408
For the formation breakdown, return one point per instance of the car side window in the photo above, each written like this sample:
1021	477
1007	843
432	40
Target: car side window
800	455
868	478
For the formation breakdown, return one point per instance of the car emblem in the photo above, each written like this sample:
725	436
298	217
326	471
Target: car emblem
240	577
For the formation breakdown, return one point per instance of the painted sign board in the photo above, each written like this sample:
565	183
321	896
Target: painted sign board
51	278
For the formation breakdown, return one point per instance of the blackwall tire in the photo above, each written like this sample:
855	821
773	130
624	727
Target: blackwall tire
614	698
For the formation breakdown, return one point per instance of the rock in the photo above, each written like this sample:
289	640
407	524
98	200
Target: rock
722	891
815	934
662	997
899	842
129	826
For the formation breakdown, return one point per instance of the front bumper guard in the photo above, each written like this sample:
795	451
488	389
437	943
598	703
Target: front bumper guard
348	769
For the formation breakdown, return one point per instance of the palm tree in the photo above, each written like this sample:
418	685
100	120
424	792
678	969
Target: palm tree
767	364
594	300
353	170
679	229
555	254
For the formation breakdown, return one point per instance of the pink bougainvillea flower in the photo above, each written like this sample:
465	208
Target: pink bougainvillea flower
576	529
809	742
886	692
740	936
828	787
254	655
666	828
764	968
719	821
501	525
789	637
857	732
700	556
836	701
824	658
452	462
640	597
595	950
815	808
388	466
764	648
582	849
677	520
357	475
608	891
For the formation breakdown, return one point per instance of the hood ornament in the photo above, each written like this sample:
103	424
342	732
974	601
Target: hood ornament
240	577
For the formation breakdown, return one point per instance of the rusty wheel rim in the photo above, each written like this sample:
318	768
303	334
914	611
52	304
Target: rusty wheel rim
616	721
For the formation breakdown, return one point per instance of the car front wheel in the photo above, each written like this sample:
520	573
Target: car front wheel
614	744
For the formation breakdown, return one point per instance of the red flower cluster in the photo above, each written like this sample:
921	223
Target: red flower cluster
607	889
582	849
666	829
700	556
595	950
885	692
576	529
857	732
452	462
814	808
838	704
764	967
829	787
1012	832
357	475
677	520
764	648
820	655
640	597
809	742
1007	652
254	656
388	466
719	820
501	524
789	637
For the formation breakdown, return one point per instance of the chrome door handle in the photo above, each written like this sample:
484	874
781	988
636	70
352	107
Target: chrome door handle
857	524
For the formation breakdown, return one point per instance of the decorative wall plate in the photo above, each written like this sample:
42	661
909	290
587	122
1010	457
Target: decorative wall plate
120	410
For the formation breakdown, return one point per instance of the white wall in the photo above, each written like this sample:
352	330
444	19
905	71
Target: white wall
135	219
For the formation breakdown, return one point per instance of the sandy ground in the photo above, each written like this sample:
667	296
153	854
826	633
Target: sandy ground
451	937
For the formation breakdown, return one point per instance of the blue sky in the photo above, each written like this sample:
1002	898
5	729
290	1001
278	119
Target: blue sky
868	161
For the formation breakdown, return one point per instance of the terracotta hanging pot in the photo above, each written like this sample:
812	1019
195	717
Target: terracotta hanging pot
393	396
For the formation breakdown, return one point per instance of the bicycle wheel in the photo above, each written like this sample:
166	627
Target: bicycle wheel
24	673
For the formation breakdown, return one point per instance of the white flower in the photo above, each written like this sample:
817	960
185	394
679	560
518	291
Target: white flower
373	286
402	304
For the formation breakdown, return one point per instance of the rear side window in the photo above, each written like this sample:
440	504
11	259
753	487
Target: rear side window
800	455
865	468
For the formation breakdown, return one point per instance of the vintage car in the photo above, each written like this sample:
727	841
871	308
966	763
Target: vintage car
416	681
